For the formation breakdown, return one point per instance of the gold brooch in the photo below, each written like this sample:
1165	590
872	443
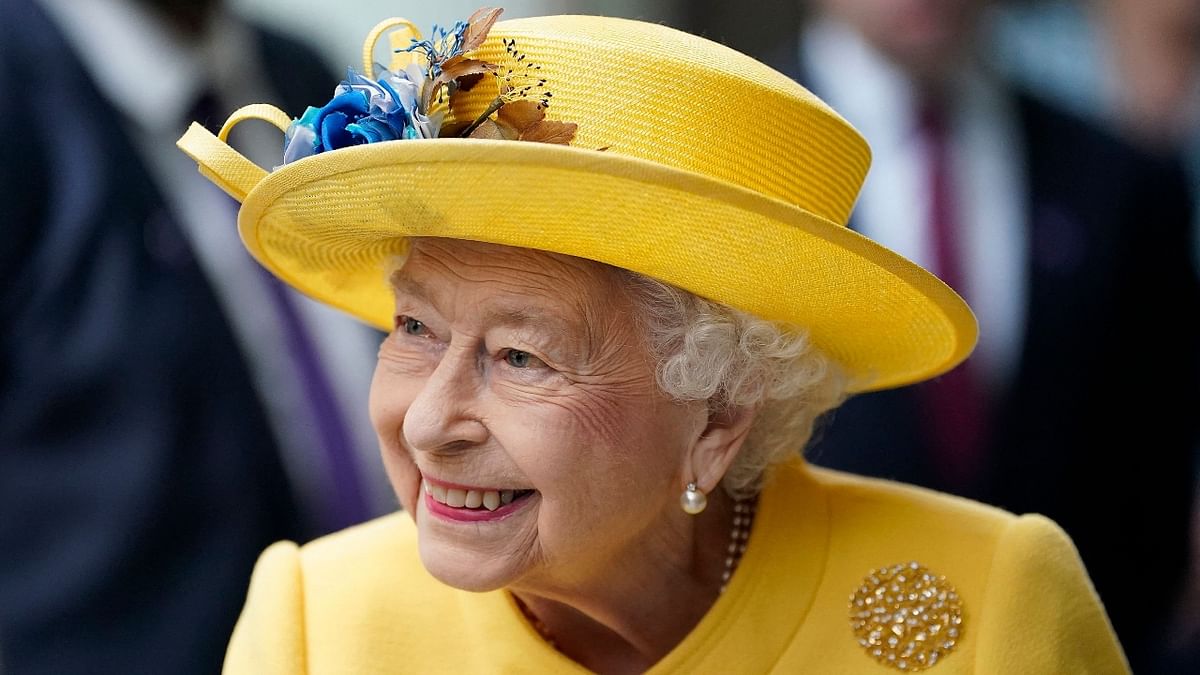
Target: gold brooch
906	616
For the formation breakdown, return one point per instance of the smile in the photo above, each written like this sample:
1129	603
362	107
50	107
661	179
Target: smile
472	498
456	502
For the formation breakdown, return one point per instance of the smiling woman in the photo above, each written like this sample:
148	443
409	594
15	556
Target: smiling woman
544	366
596	388
475	405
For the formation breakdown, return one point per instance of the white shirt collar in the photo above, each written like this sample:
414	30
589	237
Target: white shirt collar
878	98
145	67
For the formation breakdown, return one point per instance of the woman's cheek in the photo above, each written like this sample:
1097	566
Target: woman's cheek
389	403
612	415
567	425
405	479
398	378
514	387
405	357
400	372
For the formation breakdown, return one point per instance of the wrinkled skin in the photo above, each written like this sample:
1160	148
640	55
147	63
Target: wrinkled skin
517	369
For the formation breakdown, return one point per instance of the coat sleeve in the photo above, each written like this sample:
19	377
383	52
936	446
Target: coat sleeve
1042	614
270	635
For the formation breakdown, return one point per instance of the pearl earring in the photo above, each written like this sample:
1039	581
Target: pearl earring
693	500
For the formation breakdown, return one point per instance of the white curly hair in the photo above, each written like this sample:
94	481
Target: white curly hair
711	352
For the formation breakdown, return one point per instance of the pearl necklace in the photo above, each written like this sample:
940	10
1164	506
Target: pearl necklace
743	519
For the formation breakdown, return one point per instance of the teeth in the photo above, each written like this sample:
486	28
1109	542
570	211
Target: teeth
470	499
491	500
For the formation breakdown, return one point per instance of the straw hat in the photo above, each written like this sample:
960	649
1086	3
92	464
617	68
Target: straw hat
690	163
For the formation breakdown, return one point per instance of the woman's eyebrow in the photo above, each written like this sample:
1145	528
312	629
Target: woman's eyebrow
403	285
551	327
525	317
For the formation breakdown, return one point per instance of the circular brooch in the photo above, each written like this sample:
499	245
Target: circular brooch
906	616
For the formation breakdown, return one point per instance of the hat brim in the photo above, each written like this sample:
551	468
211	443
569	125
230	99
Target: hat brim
328	225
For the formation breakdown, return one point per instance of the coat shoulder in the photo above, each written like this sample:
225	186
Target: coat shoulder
1026	601
376	561
851	496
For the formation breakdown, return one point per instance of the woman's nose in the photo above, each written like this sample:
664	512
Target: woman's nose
444	416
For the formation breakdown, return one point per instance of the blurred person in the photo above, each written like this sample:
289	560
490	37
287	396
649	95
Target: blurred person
598	378
1155	53
146	440
1066	241
1133	66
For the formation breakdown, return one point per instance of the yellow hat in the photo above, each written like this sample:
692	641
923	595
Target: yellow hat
691	163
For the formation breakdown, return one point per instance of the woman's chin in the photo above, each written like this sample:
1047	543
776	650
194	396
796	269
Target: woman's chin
468	556
463	568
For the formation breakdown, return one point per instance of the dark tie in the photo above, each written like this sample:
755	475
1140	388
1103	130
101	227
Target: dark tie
955	405
344	502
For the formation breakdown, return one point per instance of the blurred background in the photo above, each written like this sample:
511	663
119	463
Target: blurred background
167	410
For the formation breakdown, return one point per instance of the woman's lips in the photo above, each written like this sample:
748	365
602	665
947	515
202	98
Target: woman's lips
471	504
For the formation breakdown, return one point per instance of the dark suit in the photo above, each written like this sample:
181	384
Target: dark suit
138	478
1098	426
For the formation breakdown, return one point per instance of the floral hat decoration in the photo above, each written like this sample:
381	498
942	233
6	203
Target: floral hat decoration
624	142
411	102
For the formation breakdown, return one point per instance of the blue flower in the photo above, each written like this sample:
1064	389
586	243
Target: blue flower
363	110
408	104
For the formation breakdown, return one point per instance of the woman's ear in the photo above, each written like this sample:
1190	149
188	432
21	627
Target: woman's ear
718	445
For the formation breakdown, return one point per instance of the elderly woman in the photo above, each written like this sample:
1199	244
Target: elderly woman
613	261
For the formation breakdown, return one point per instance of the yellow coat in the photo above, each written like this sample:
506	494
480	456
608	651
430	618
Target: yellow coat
360	602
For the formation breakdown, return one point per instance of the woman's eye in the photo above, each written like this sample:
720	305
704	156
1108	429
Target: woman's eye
412	326
519	359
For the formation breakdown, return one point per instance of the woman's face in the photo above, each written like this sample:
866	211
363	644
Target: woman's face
517	381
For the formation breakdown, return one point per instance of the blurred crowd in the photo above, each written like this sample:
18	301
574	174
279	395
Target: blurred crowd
1042	159
167	410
